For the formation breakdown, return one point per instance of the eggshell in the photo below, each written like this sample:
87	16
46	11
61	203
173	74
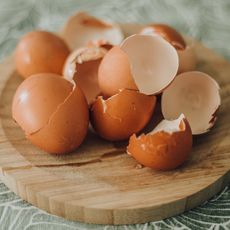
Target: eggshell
187	58
121	115
114	72
153	62
82	28
166	147
185	47
82	66
166	32
36	99
196	95
40	52
52	111
101	44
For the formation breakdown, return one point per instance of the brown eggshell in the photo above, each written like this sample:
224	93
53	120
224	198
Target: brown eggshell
82	66
187	58
121	115
67	127
52	111
114	72
36	99
82	28
40	52
196	95
166	32
166	147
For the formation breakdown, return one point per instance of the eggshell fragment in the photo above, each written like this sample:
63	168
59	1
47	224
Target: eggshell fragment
82	66
82	28
166	32
40	52
114	72
121	115
166	147
196	95
153	62
185	47
52	111
187	58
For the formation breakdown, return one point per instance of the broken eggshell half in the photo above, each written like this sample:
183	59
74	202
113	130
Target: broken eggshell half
166	147
52	111
82	28
184	47
196	95
121	115
82	66
147	63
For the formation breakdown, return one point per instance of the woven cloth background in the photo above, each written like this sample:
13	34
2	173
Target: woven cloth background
206	20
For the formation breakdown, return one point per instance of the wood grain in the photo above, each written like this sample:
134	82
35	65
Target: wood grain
100	183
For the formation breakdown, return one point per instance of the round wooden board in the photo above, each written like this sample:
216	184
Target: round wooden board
100	183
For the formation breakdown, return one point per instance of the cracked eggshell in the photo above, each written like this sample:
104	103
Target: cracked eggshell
196	95
121	115
166	147
185	47
52	111
82	66
114	72
153	62
40	52
82	28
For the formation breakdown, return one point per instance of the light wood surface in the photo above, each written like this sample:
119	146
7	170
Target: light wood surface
100	183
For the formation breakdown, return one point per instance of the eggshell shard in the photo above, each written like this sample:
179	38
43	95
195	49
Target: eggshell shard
196	95
187	58
166	32
153	62
52	111
121	115
166	147
185	48
114	72
82	66
82	28
40	52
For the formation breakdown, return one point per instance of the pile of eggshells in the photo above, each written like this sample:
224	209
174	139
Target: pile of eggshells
90	73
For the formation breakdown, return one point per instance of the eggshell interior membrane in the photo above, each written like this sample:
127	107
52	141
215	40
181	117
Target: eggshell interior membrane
166	147
114	72
121	115
82	66
196	95
33	102
82	28
153	62
187	58
185	47
170	126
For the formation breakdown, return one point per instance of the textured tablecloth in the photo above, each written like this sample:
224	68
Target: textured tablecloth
207	20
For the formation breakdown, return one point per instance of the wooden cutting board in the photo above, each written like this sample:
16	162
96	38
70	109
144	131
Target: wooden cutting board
99	182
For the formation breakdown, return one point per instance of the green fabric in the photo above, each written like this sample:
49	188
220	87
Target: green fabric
207	20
